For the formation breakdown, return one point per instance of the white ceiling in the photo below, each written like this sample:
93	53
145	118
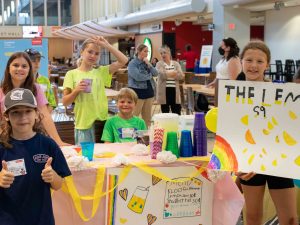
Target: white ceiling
256	7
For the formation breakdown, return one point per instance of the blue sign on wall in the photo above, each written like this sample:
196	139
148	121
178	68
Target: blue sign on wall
8	47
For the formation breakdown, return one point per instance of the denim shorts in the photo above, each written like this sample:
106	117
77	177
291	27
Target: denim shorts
86	135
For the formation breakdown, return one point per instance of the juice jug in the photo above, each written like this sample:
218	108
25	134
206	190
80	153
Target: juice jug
167	121
138	199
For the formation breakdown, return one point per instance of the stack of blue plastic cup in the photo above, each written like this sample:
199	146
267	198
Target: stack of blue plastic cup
186	145
199	135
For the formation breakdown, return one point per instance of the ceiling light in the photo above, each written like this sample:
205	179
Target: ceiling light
178	22
12	4
279	5
8	11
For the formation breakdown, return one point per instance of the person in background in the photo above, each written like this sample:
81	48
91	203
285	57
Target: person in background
86	87
25	196
35	57
140	79
18	74
123	127
154	61
229	67
255	60
169	75
296	78
53	85
191	58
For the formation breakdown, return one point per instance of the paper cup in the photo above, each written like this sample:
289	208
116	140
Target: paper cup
88	88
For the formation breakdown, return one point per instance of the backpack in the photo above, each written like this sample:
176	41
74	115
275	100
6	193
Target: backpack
201	104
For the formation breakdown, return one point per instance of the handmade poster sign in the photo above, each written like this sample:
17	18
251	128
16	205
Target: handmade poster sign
258	128
145	199
183	199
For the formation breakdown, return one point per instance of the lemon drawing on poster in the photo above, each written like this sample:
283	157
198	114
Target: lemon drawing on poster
297	161
274	121
245	120
288	139
266	132
284	156
292	115
269	127
249	137
123	220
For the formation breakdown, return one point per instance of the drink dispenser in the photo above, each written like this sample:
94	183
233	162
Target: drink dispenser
167	121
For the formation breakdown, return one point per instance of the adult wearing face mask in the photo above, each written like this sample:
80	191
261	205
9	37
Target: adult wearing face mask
229	67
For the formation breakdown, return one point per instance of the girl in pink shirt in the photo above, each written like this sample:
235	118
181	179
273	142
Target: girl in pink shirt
18	74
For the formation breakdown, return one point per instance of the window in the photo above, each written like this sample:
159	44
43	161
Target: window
52	13
65	12
1	18
38	12
24	12
9	12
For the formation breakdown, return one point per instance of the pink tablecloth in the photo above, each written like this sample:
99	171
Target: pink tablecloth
227	203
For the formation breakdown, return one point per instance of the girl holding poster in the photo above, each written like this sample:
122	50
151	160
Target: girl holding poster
255	60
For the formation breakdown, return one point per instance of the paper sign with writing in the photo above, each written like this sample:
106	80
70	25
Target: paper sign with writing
183	199
258	128
145	199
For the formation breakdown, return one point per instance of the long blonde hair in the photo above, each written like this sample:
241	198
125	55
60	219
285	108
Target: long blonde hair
83	47
166	49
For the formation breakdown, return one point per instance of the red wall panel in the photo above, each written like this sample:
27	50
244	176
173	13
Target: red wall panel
187	33
257	32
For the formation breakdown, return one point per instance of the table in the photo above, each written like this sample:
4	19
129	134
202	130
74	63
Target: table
110	93
205	75
201	89
54	78
227	200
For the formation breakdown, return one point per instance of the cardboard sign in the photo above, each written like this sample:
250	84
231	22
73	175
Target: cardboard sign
258	128
146	199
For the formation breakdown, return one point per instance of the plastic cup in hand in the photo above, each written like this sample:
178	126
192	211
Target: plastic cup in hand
88	82
199	122
87	150
172	143
186	146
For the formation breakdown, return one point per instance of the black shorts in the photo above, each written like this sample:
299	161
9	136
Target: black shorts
273	182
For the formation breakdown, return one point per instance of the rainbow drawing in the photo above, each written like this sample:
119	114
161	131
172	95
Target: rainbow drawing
223	157
111	199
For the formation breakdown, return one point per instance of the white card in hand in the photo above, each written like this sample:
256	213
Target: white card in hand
17	167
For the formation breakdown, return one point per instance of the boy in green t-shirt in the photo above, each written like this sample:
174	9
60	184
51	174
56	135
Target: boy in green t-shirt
122	127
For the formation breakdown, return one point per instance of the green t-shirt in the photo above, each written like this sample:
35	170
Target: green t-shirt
119	130
47	89
92	106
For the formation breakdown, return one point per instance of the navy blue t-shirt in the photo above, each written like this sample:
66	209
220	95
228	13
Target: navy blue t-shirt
28	200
